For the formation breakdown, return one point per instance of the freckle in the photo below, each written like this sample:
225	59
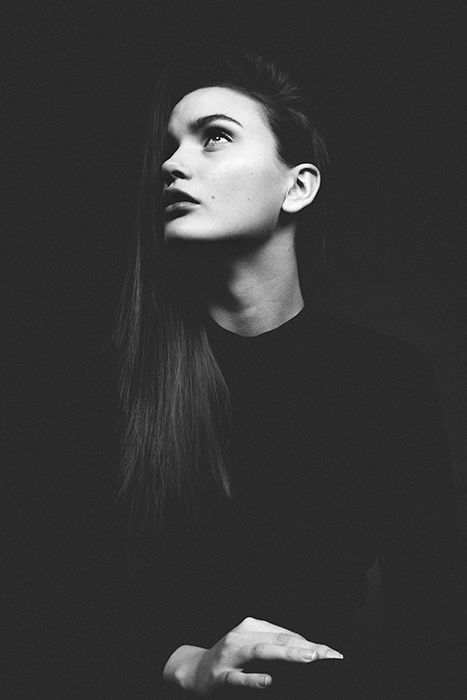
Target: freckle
213	196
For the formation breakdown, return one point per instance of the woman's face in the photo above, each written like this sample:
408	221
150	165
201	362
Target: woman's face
224	156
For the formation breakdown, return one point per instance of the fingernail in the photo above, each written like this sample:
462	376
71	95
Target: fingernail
265	681
308	655
333	655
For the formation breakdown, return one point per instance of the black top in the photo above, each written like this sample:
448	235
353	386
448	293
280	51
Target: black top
338	456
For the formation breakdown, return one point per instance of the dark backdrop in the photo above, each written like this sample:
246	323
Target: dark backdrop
80	86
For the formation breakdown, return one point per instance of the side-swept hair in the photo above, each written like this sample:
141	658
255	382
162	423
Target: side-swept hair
174	399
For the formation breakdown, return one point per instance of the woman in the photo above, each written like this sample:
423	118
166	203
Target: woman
272	453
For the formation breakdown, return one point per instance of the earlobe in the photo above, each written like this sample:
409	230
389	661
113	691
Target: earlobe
304	188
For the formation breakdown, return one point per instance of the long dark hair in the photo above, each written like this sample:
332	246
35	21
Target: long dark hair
174	399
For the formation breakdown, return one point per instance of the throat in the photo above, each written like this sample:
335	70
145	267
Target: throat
258	289
257	312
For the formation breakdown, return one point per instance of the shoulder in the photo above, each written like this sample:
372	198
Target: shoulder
368	353
389	387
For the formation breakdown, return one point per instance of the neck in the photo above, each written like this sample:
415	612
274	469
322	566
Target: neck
259	289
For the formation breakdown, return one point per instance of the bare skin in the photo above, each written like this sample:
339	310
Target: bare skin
203	670
261	289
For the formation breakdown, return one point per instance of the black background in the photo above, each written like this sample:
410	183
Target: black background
80	85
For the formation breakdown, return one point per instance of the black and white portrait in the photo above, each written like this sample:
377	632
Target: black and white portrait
235	456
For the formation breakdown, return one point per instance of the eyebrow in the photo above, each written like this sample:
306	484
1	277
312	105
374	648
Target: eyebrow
204	121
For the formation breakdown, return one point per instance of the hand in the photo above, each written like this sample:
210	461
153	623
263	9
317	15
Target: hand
203	670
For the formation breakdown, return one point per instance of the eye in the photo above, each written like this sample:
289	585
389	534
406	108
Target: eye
215	135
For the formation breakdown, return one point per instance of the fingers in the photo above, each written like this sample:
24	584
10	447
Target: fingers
251	680
262	650
279	636
292	640
281	639
325	652
303	653
275	652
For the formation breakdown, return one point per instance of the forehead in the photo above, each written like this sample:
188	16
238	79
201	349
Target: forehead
218	100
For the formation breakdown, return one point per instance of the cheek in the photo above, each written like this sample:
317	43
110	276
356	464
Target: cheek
241	183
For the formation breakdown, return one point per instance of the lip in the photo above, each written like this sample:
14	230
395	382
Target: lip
173	196
179	207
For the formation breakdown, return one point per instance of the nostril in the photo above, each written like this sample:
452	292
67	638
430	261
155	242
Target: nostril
174	171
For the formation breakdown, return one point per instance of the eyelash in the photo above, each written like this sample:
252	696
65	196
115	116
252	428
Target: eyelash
209	133
215	131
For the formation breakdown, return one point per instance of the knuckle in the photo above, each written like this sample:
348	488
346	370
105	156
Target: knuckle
322	650
223	657
214	677
248	621
224	677
295	635
283	638
256	650
261	650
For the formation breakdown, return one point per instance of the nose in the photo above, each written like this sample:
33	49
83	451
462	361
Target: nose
174	168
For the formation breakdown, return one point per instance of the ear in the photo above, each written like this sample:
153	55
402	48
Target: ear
304	182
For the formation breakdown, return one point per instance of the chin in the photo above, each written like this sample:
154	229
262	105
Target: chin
175	234
181	231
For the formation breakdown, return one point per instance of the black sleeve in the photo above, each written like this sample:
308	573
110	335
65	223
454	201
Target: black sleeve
414	516
165	605
154	626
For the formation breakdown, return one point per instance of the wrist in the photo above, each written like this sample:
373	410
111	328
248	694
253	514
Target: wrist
181	666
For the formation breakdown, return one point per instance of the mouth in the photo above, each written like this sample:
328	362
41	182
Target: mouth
178	208
176	201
